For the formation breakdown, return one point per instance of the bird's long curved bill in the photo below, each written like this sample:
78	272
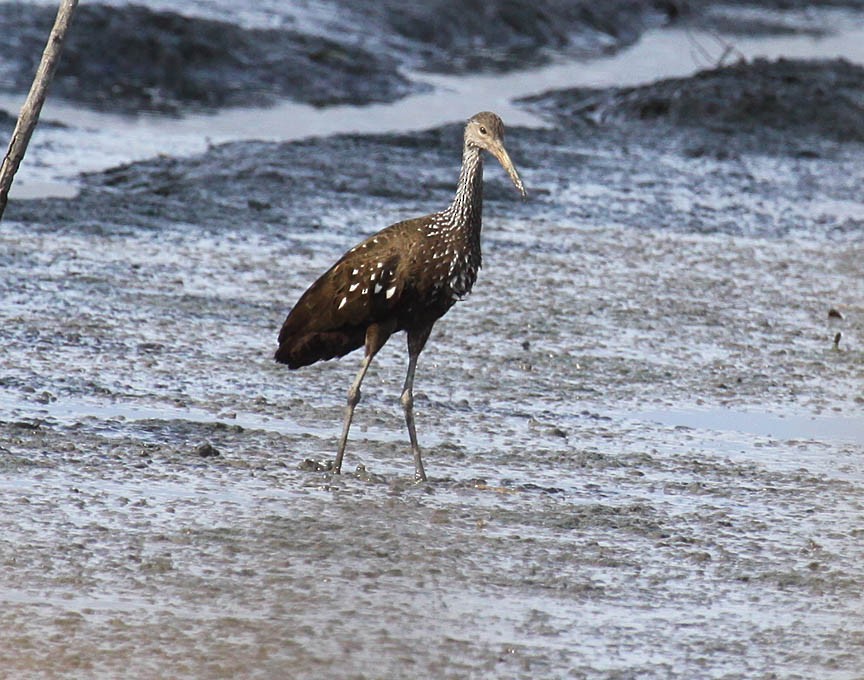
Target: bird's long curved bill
504	158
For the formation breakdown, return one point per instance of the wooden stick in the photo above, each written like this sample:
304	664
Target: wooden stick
29	115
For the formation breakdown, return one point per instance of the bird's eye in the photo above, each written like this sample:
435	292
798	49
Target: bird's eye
482	130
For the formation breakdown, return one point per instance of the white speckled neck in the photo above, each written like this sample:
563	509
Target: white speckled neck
466	210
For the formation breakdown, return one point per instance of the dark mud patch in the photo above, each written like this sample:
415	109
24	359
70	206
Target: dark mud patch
290	186
770	17
8	121
749	149
779	102
131	59
457	37
788	5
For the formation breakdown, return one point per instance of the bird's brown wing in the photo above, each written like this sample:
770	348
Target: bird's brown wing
365	286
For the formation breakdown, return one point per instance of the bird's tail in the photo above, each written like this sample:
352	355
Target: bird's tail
304	349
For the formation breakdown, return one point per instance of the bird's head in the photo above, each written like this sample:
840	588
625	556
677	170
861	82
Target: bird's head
485	130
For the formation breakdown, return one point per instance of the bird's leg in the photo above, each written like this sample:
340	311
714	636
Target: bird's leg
353	400
376	336
408	405
416	342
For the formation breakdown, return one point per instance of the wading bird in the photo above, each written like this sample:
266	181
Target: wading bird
404	278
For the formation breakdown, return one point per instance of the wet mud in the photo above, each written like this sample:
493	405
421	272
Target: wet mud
132	59
644	446
770	17
773	102
452	37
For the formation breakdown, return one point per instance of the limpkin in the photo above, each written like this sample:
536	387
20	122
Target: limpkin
404	278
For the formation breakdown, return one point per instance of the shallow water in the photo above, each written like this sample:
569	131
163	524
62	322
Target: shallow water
845	429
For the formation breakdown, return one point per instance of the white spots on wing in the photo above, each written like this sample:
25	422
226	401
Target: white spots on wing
460	285
364	291
343	303
391	292
372	278
353	287
378	288
355	272
380	265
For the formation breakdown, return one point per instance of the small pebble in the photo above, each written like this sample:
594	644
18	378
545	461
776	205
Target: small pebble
310	465
207	450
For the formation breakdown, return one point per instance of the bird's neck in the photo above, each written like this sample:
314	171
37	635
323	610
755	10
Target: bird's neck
467	207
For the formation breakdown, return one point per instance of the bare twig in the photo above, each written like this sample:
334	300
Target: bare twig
29	115
698	50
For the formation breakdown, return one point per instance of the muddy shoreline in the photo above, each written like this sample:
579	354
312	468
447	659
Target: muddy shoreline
796	113
679	254
132	59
